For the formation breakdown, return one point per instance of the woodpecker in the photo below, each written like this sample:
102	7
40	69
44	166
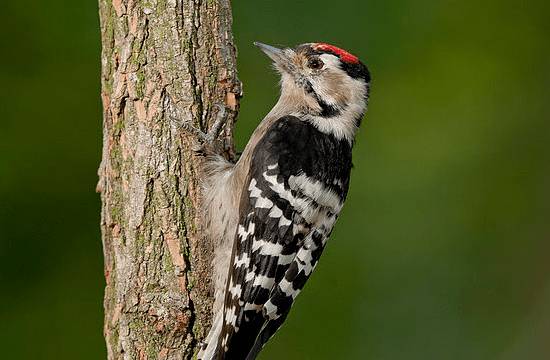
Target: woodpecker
270	214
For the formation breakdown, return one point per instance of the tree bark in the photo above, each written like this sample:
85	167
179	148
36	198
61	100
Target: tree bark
159	59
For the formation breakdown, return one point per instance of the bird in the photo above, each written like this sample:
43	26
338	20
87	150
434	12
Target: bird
269	214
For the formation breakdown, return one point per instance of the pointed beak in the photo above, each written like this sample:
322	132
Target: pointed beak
275	54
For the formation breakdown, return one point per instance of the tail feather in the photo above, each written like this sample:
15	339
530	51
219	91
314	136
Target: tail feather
240	341
267	333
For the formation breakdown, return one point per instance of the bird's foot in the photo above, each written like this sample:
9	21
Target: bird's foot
209	144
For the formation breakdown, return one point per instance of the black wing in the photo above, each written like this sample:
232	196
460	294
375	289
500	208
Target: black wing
294	193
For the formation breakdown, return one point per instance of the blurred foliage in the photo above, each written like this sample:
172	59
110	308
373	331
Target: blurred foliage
442	249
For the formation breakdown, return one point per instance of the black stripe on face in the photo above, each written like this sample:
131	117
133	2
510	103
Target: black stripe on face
326	109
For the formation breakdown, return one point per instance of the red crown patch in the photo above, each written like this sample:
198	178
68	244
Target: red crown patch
346	56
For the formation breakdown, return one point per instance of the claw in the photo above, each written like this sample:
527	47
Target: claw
220	120
202	136
208	139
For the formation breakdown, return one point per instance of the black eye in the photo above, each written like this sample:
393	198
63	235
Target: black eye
315	63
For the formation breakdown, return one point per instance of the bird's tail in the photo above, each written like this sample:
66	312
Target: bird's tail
267	333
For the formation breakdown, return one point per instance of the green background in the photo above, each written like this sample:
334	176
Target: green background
443	248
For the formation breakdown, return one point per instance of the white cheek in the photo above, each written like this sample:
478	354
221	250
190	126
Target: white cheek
321	89
332	64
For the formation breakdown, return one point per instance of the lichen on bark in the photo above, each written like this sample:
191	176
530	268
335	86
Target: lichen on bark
159	59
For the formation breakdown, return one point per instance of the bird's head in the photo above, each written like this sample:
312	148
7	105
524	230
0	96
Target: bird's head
323	84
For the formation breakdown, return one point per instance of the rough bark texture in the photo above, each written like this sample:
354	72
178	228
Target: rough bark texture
159	58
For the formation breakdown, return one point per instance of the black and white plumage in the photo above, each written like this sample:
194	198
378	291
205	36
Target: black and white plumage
271	214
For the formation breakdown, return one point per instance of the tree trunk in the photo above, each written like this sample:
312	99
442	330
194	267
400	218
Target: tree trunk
159	59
